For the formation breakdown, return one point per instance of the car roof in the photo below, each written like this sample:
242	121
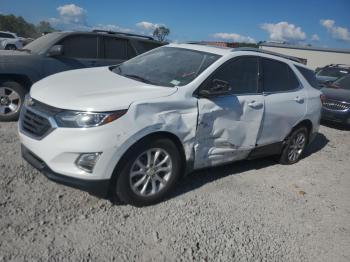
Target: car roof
120	35
223	51
204	48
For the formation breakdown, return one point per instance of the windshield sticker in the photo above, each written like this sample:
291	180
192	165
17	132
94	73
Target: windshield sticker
175	82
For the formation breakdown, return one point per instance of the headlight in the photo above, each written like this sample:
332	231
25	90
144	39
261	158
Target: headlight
86	119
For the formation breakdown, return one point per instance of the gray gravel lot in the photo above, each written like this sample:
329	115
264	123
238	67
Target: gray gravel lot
248	211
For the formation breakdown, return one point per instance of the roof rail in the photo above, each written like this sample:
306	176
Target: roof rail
295	59
206	44
346	65
121	33
195	43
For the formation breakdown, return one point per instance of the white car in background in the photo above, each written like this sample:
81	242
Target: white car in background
132	130
10	41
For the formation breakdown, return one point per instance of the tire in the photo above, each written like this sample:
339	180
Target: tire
125	186
295	146
10	47
11	100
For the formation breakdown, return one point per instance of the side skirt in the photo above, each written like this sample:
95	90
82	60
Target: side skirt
268	150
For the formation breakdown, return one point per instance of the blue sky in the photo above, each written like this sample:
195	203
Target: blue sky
320	23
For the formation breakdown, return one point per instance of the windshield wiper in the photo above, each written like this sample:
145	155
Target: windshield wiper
136	77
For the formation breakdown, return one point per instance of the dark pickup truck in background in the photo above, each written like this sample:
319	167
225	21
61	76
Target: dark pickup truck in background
62	51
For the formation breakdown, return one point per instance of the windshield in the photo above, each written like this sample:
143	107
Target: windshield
343	83
42	43
167	66
333	72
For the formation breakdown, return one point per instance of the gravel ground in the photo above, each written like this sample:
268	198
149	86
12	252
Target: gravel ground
248	211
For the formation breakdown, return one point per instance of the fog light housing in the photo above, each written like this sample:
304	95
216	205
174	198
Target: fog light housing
87	161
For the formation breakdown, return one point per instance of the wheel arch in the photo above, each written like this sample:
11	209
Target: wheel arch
152	136
305	123
23	80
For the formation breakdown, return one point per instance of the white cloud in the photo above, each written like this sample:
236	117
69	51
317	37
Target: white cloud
70	17
73	17
234	37
327	23
146	25
315	38
337	32
72	14
283	31
71	10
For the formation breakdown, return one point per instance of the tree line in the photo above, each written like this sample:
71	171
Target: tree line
21	27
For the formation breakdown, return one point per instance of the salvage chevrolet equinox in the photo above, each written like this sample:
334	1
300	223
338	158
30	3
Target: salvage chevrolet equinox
130	131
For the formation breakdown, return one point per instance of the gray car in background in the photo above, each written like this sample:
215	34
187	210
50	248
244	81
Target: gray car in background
330	73
336	107
62	51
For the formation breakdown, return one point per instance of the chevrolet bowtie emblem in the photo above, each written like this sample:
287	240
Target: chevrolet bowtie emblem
31	102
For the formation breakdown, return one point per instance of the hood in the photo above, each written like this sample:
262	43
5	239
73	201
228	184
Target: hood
341	95
12	55
94	89
322	79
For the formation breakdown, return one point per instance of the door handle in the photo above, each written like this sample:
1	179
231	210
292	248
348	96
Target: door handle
299	99
255	104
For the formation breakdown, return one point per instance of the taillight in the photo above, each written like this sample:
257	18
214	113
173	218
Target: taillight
323	98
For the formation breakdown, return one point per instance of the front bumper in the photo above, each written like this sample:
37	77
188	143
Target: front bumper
98	188
342	117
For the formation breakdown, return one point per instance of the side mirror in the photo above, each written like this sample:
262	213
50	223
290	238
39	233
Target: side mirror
56	50
216	88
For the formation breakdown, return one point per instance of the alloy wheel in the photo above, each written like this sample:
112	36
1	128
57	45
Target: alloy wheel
296	147
150	172
10	101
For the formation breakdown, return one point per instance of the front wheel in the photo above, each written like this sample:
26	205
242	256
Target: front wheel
150	173
11	100
295	146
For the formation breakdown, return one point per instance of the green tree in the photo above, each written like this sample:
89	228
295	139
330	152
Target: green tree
160	32
21	27
44	27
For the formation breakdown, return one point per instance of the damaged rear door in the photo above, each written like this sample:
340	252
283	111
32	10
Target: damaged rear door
228	124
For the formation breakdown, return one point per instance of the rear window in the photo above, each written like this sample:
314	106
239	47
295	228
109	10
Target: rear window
333	72
5	35
278	77
118	48
343	83
309	75
149	45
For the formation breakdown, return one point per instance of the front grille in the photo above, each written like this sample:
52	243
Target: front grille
34	124
336	105
35	119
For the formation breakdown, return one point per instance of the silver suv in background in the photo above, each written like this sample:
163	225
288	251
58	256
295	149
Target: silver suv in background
10	41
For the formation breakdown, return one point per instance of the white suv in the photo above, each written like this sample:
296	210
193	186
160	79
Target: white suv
10	41
132	130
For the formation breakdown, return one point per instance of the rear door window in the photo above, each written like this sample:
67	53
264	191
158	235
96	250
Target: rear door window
149	45
278	76
118	48
80	46
309	75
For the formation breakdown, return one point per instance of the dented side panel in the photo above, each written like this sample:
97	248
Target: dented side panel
227	128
